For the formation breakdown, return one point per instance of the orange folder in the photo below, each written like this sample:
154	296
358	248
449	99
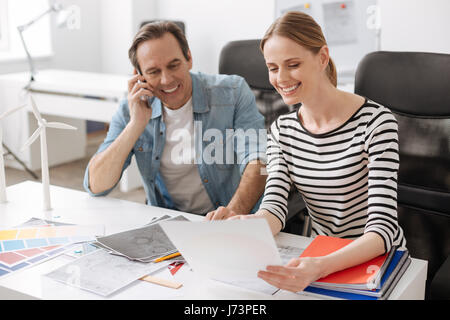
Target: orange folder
361	275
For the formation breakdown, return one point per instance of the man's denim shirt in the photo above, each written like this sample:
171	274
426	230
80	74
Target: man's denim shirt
220	103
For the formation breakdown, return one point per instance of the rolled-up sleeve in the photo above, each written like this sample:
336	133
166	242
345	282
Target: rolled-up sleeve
383	164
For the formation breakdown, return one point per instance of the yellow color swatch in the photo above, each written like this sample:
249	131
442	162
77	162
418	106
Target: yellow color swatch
8	234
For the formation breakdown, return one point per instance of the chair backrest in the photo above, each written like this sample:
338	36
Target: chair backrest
244	58
415	86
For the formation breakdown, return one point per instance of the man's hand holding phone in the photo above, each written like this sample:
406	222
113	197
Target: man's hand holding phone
138	93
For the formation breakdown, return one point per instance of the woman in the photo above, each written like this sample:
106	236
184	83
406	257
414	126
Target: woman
339	150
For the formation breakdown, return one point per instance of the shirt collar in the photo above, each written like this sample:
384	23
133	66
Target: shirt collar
156	108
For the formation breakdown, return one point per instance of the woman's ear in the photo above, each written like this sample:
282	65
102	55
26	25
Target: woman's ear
324	56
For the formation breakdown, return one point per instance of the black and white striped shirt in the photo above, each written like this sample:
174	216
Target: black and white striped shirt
347	177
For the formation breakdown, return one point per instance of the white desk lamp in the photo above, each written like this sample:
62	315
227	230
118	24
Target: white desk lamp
65	18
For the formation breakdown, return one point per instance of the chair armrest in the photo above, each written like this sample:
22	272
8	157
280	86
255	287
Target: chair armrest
440	285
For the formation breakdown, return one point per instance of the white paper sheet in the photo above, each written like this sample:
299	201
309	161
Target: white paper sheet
103	273
227	250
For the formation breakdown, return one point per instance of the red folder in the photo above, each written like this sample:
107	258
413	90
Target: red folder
364	276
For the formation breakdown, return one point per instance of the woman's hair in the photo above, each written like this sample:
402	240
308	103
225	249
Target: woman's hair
156	30
302	29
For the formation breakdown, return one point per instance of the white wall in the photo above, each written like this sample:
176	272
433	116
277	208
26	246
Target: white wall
143	10
108	26
211	24
73	49
79	49
415	25
101	44
115	22
120	20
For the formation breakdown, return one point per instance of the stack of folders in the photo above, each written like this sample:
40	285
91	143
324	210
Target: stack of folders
372	280
145	244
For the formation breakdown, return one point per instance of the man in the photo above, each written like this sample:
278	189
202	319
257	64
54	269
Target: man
181	127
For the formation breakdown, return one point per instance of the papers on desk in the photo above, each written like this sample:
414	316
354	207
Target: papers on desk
143	244
121	259
103	273
230	251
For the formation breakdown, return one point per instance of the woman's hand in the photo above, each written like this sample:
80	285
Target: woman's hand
295	276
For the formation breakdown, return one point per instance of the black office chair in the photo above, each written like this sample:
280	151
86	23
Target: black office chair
244	58
416	87
180	24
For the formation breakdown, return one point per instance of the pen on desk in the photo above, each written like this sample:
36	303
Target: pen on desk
170	256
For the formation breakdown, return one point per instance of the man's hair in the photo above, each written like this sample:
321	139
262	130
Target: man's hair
156	30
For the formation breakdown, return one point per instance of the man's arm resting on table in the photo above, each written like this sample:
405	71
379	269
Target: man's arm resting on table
105	167
250	189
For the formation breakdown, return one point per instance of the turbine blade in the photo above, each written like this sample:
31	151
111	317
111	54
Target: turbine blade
59	125
7	113
35	109
32	138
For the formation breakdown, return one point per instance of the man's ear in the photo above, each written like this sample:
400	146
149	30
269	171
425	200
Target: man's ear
190	59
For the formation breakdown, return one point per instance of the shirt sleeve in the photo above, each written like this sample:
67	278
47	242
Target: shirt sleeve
249	131
383	164
278	182
117	125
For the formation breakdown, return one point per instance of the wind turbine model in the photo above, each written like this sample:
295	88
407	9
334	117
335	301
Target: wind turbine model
41	131
2	163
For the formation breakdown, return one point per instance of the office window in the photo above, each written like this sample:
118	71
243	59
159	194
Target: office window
3	25
14	13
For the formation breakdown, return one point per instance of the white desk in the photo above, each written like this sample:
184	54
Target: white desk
118	215
67	96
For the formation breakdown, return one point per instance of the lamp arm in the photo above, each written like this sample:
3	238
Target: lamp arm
24	27
28	24
30	61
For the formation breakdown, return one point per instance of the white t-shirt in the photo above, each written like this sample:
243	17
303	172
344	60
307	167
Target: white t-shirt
178	169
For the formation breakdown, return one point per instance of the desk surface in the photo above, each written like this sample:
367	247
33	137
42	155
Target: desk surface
74	82
71	206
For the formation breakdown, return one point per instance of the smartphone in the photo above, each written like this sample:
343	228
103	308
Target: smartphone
144	98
